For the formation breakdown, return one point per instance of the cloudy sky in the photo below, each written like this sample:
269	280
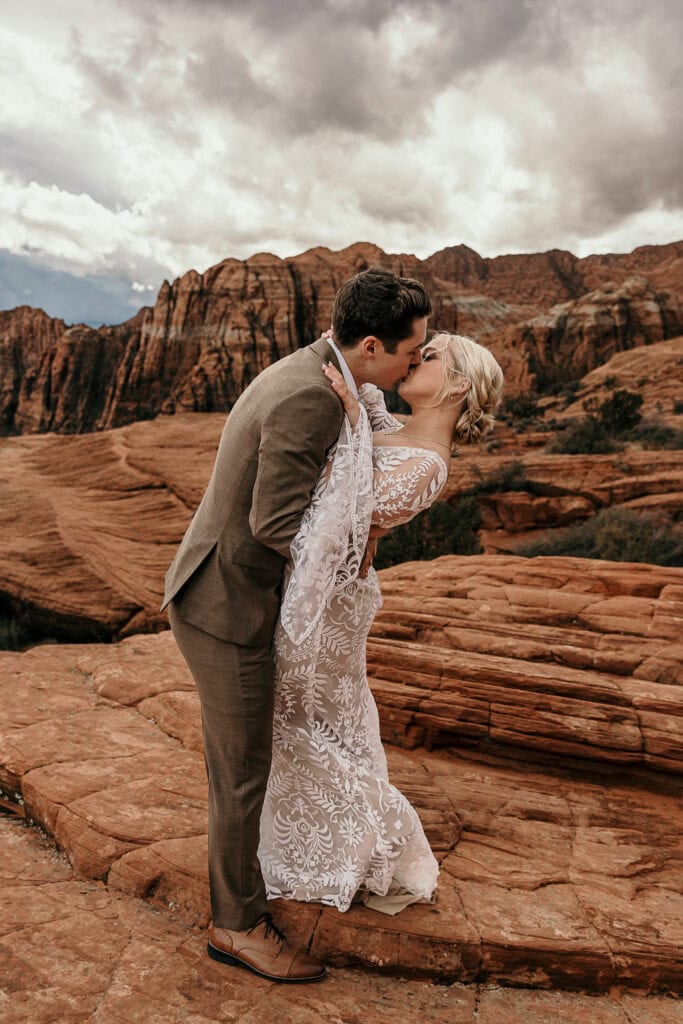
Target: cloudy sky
139	138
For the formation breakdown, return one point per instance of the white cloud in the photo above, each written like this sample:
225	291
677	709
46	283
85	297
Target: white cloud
170	137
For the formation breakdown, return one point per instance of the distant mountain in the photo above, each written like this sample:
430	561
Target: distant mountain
94	299
548	317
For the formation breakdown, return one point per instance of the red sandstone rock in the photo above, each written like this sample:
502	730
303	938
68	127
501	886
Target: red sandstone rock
547	278
563	489
558	849
89	525
209	334
205	339
111	958
653	371
577	336
545	653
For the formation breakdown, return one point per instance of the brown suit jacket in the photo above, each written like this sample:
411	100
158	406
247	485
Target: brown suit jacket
226	576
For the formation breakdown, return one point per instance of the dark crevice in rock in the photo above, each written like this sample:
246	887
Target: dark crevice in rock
25	624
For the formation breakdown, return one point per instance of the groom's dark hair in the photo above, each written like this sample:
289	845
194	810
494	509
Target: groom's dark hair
380	303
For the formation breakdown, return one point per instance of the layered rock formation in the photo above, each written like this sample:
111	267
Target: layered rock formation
560	838
89	530
557	490
108	957
209	334
547	278
575	337
559	655
205	339
654	371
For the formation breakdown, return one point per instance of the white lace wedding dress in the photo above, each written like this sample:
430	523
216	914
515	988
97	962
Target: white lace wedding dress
333	827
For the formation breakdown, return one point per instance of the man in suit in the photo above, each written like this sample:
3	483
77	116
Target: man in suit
223	588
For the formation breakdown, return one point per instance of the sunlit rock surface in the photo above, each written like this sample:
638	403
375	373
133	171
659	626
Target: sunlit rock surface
550	694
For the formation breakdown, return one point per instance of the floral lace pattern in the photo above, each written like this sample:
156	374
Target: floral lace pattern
328	548
332	823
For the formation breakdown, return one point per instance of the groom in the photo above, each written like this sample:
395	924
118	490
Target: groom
223	588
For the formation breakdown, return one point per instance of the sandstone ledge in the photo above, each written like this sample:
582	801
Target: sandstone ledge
105	958
551	878
565	656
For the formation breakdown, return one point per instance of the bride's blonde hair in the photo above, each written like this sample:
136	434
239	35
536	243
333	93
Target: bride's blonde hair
463	357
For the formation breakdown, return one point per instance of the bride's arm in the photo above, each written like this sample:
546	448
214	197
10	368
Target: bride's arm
405	485
376	408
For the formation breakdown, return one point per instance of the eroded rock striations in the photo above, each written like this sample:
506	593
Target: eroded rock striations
89	524
654	371
577	336
560	835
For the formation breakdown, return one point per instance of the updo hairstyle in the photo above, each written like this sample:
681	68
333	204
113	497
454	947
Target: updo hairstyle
463	357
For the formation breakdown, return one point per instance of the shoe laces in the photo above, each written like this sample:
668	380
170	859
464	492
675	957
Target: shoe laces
271	927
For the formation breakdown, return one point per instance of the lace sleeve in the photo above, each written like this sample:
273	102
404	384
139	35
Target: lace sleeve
328	549
380	417
406	481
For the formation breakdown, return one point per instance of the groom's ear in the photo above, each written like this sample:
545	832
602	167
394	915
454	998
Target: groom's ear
370	346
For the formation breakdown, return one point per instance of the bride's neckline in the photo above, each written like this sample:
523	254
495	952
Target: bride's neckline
409	447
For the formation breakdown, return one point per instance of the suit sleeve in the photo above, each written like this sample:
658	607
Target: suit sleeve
295	438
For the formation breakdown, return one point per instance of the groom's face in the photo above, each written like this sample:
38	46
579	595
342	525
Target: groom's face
390	368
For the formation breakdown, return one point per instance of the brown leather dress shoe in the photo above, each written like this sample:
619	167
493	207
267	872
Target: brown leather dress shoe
263	949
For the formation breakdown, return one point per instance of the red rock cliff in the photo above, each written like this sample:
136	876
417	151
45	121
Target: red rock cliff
209	334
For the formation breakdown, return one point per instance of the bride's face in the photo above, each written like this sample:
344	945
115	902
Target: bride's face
423	383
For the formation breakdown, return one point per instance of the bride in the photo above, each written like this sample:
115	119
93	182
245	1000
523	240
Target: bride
333	828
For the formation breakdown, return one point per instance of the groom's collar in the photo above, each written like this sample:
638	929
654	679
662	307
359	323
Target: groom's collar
343	366
326	349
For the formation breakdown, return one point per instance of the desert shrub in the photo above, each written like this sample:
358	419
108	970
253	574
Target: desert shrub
678	407
611	381
617	535
605	427
509	476
584	437
559	387
653	434
442	530
620	412
519	409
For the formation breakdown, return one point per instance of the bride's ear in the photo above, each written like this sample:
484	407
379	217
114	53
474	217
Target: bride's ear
461	388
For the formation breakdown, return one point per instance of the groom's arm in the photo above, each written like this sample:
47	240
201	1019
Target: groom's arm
295	438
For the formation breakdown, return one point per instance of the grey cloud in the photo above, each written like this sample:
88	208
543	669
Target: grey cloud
332	69
610	159
48	160
219	74
140	78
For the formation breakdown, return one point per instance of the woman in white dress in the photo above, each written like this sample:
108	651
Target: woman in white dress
333	828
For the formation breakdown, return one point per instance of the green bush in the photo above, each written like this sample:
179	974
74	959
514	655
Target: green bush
653	434
517	409
605	427
584	437
617	535
442	530
510	476
678	407
620	412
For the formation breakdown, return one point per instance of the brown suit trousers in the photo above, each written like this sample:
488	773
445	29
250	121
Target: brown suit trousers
223	593
235	686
